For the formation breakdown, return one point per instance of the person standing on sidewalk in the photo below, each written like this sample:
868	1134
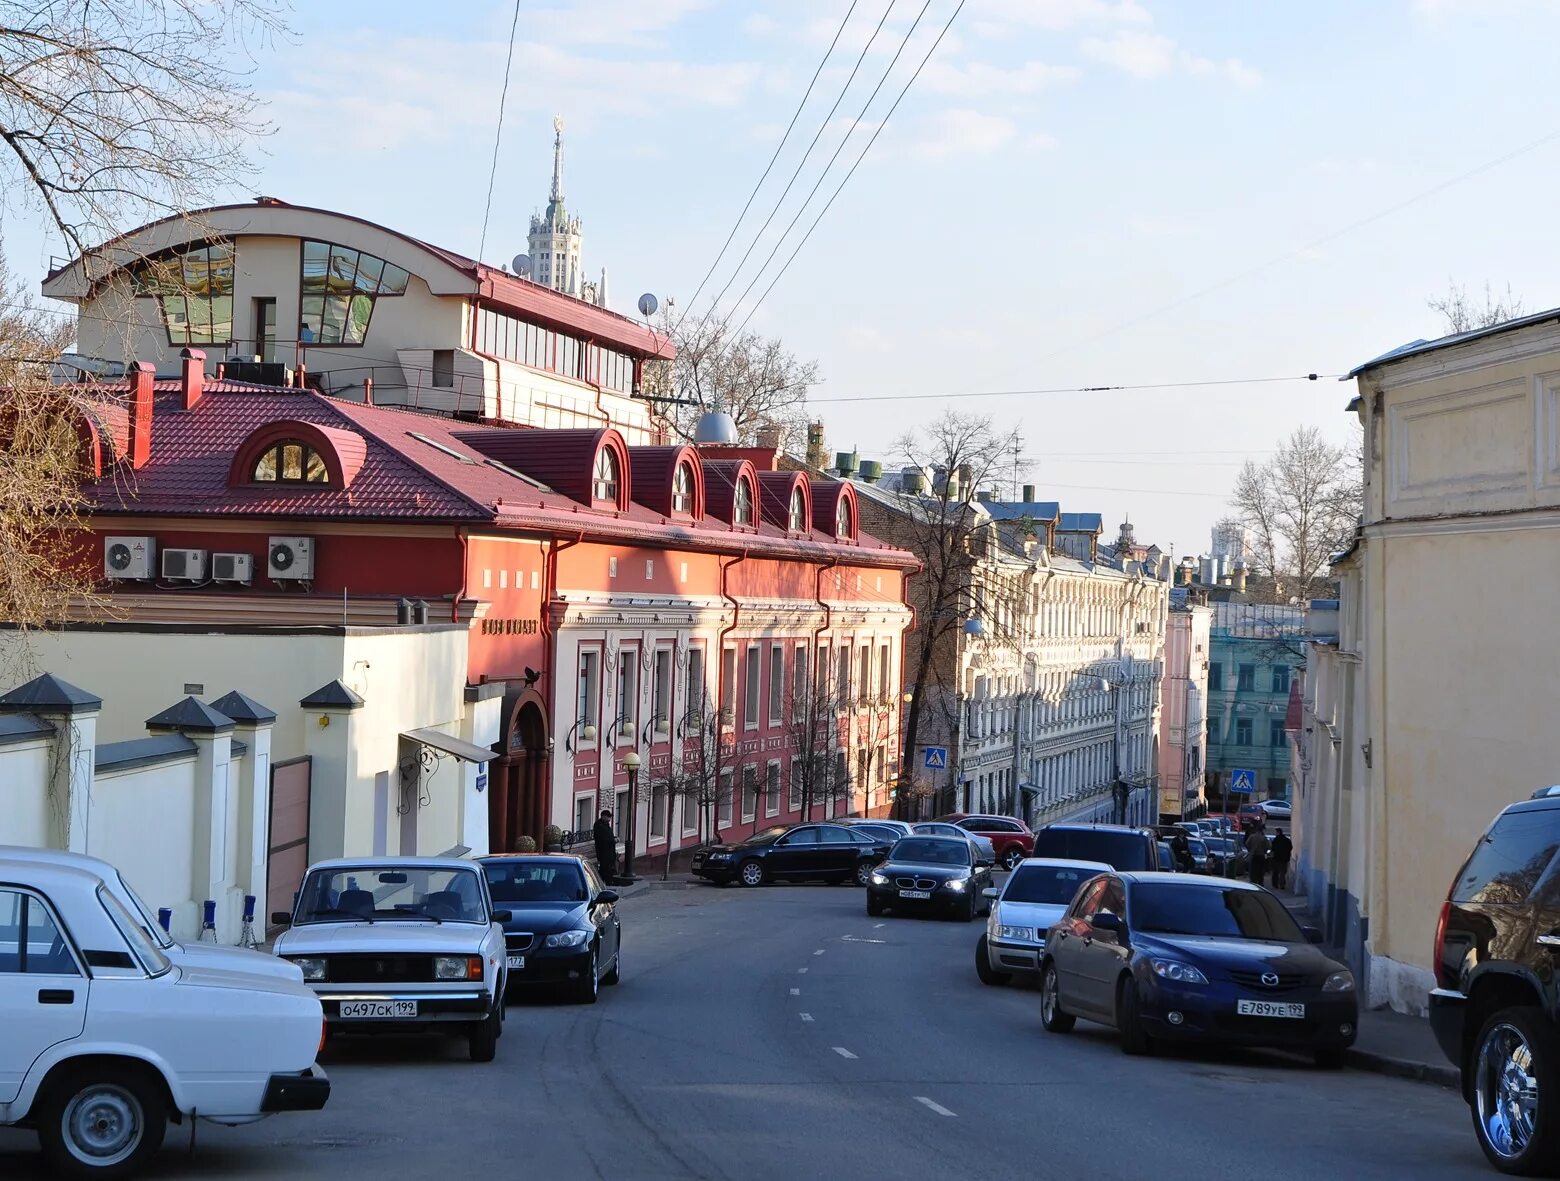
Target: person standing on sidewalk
606	846
1283	848
1257	851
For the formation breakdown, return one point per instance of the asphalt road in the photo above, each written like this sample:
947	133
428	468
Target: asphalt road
780	1033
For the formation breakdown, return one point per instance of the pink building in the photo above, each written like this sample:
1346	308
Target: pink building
1183	718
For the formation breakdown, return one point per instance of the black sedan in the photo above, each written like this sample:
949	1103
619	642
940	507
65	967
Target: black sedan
940	873
803	852
1179	958
563	927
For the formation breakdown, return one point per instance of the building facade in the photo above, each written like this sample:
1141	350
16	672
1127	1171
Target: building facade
1183	734
1255	651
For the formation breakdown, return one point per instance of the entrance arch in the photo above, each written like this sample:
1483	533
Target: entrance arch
519	805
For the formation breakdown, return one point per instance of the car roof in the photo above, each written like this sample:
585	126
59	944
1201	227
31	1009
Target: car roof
1065	863
1092	828
937	836
555	858
394	863
37	856
47	875
1185	879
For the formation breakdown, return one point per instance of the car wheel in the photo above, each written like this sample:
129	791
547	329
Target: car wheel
588	987
103	1122
1012	857
1129	1019
482	1041
1515	1091
983	968
863	873
966	912
751	873
1051	1015
874	906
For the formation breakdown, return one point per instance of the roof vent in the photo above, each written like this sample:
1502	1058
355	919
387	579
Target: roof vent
715	426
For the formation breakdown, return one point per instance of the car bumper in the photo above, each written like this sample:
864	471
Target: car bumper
1330	1021
551	966
1448	1016
439	1008
1014	957
714	871
940	900
296	1092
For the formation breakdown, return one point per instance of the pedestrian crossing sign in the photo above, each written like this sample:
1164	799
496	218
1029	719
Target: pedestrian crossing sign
1242	782
936	758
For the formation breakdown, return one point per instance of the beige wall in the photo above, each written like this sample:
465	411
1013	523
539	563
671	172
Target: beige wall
25	818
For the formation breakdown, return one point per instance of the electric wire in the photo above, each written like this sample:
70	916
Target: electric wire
498	134
1074	389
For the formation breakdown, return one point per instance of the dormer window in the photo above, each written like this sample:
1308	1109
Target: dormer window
290	462
744	505
682	489
798	513
605	479
842	528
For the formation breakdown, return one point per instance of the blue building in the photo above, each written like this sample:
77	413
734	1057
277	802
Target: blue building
1255	652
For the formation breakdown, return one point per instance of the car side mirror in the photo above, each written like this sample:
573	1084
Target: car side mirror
502	916
1105	921
606	898
281	918
992	892
1312	934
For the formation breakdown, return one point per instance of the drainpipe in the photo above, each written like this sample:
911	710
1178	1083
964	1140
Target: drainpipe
720	688
820	676
465	575
544	626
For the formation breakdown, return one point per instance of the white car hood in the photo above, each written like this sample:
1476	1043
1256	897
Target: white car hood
211	977
1039	915
397	935
199	956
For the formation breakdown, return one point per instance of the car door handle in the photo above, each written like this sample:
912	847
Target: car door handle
56	996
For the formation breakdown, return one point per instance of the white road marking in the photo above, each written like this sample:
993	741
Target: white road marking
937	1107
801	970
796	992
820	951
843	1052
858	939
806	1016
878	926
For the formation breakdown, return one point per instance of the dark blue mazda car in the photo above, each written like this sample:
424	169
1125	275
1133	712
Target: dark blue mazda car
1174	957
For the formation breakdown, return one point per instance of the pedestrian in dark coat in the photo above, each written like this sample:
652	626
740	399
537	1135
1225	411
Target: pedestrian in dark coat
606	845
1257	850
1283	849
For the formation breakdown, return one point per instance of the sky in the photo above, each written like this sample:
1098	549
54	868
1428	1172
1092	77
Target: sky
1073	193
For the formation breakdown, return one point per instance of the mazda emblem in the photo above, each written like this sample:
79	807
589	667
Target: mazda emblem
1270	979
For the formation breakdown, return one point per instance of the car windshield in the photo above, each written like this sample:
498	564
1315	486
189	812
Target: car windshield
379	893
1197	847
931	851
1219	844
535	881
1171	908
879	832
1119	848
1054	885
767	836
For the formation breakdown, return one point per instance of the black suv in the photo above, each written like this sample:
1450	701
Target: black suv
1117	845
1497	996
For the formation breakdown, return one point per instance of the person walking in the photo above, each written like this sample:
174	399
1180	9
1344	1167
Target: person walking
1257	852
606	846
1181	852
1283	849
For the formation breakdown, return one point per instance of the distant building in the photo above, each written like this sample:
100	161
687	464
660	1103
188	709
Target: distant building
1183	717
557	241
1255	651
1231	540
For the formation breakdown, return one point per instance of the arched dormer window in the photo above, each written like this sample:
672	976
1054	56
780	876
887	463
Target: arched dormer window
797	517
743	514
289	461
606	479
842	521
682	489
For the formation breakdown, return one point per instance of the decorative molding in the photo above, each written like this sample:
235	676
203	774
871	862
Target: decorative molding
1409	424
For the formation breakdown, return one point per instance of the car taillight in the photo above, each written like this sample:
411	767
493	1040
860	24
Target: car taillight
321	1048
1440	941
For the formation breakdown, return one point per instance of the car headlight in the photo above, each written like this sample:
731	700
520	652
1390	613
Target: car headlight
1339	982
879	879
1177	971
312	969
457	967
568	939
1017	934
957	883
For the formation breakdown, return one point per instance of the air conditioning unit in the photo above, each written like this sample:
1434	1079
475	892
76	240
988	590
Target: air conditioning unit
289	558
129	557
184	565
233	567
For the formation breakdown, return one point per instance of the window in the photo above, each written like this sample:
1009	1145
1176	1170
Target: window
799	684
338	288
772	790
584	816
750	699
444	368
728	686
842	528
589	694
661	692
842	676
749	792
725	794
776	684
1246	678
194	289
690	815
1276	733
30	943
658	793
1215	677
290	462
883	673
1242	731
696	688
1277	788
744	503
628	692
682	489
1281	678
865	683
1510	859
793	799
604	483
798	515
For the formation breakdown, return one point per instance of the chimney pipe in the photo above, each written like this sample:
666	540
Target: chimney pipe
368	391
192	375
141	374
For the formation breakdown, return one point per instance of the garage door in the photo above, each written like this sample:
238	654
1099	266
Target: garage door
288	856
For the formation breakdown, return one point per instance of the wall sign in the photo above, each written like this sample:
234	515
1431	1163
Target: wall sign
482	782
509	627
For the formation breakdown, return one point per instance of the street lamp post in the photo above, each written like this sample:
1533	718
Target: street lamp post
631	765
1118	787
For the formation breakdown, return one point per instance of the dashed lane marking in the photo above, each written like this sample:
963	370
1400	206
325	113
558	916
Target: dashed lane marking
820	951
878	926
843	1052
801	971
806	1016
796	992
937	1107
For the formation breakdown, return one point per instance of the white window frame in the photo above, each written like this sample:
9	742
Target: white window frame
776	683
752	687
772	788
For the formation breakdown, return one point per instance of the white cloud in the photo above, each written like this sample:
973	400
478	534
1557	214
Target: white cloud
960	131
759	25
980	79
998	17
1154	55
606	22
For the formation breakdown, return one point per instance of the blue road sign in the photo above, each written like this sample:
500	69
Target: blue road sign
935	758
1242	782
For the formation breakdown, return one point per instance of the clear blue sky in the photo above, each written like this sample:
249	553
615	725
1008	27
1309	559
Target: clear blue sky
1049	207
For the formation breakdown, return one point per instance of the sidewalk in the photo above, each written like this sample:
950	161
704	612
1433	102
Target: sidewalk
1388	1042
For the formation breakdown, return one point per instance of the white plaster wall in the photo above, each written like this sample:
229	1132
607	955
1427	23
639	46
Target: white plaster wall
24	772
143	822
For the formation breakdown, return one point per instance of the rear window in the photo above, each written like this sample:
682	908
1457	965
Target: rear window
1510	859
1119	850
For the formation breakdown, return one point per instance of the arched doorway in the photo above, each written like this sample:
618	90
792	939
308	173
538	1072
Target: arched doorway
519	805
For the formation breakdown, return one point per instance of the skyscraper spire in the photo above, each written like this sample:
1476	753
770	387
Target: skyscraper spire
557	189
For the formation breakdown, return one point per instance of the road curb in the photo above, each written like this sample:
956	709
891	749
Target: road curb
1423	1072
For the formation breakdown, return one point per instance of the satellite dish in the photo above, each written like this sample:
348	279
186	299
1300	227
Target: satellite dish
521	264
648	304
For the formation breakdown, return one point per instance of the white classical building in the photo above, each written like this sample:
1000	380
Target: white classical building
557	240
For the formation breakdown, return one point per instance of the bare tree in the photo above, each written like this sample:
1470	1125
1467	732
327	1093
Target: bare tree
709	765
812	729
1463	314
753	378
1301	506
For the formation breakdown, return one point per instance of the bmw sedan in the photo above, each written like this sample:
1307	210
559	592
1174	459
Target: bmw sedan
930	873
1040	889
1172	957
563	928
803	852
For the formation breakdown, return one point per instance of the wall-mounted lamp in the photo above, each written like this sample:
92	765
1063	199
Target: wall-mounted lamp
622	727
586	732
657	725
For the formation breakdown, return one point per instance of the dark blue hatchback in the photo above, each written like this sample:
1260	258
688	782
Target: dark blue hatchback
1171	957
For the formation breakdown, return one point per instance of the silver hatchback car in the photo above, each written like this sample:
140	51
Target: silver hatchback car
1037	894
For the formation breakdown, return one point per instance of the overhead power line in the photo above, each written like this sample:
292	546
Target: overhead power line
498	134
1075	389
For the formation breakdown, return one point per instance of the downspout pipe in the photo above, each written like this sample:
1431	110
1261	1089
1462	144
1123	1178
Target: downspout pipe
544	623
820	675
720	680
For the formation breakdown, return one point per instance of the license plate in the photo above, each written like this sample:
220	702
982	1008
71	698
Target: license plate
517	961
381	1009
1268	1009
915	893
